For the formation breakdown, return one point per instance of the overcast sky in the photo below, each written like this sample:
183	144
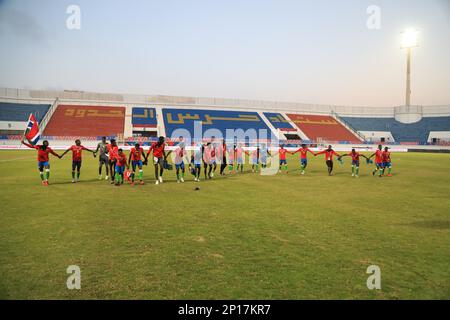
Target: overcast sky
303	51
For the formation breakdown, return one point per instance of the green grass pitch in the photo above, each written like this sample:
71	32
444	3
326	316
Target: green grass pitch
238	237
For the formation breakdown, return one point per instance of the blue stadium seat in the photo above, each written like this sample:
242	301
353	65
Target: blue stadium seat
278	121
21	112
413	132
144	117
215	122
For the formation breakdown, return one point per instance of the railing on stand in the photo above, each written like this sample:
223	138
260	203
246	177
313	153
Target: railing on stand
348	126
48	115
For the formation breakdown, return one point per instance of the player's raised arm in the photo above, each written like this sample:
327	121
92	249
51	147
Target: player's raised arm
320	152
98	148
344	155
373	154
55	154
335	153
64	153
28	145
187	159
143	154
88	150
149	151
129	157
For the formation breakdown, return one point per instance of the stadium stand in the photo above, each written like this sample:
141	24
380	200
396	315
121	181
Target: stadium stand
85	121
323	128
278	121
411	132
63	116
20	112
211	119
144	118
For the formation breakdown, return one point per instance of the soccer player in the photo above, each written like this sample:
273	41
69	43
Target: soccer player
209	159
180	155
121	163
76	149
159	155
231	155
283	162
378	160
135	158
254	158
239	158
303	157
196	161
43	160
112	151
214	155
355	161
387	161
329	153
263	153
103	158
222	153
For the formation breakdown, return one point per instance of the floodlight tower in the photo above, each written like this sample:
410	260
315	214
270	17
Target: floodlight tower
409	41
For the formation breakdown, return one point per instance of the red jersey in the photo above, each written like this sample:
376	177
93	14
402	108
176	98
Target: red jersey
386	156
378	156
231	152
282	153
355	156
221	151
303	152
239	152
113	151
209	154
158	150
328	154
42	154
179	154
255	154
136	154
76	152
121	160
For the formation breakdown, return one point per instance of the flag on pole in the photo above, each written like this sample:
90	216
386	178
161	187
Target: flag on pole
32	132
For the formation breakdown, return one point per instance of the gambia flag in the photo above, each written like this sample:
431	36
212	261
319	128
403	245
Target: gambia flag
127	175
32	132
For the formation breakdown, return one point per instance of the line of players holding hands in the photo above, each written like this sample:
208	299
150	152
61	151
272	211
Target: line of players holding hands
208	155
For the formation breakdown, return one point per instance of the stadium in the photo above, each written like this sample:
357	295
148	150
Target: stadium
286	225
211	233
